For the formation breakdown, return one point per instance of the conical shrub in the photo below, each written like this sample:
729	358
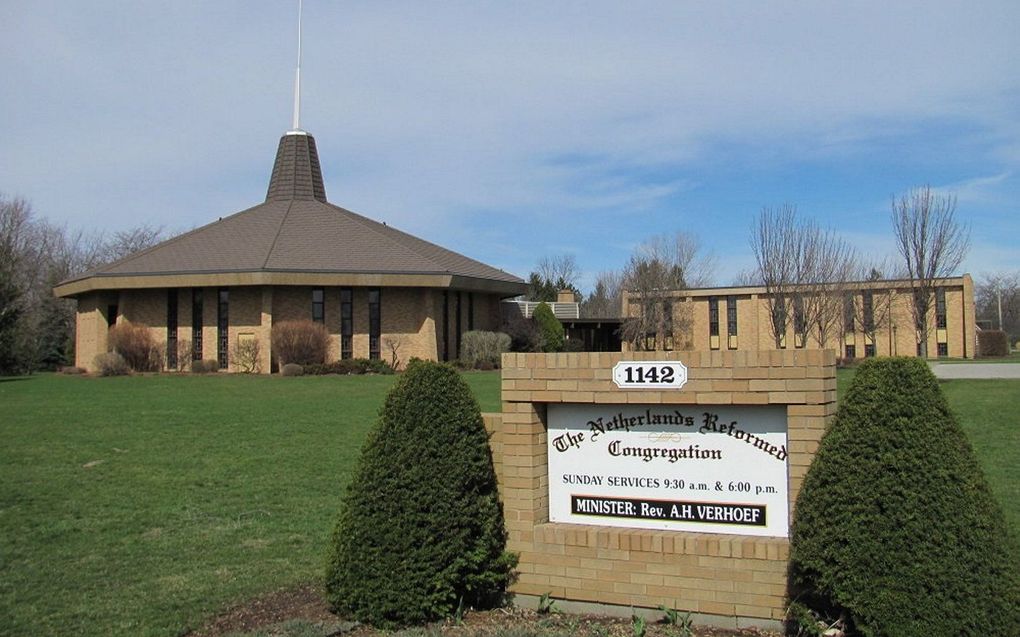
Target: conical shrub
895	526
421	531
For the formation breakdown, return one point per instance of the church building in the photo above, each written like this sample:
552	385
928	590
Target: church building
380	292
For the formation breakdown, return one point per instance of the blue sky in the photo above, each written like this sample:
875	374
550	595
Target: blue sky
511	131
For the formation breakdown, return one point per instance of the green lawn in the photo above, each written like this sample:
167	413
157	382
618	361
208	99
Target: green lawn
142	505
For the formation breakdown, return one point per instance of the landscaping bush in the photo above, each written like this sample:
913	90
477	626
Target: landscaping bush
549	327
524	334
292	369
478	347
421	533
349	367
301	342
135	343
992	343
895	525
71	370
247	356
207	366
111	364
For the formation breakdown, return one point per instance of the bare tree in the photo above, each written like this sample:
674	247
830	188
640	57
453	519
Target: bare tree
998	300
867	307
933	245
562	270
802	268
658	269
606	300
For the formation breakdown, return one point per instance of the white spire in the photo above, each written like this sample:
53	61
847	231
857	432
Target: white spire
297	80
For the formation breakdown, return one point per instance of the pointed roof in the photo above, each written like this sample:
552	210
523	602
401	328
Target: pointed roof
296	237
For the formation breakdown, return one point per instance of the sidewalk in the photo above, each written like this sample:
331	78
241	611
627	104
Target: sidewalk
975	370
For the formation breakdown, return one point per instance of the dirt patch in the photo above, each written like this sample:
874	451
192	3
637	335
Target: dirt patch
306	604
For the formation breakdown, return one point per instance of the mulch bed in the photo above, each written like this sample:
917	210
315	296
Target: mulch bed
306	603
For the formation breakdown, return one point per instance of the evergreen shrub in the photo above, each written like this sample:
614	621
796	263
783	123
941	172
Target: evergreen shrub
301	342
549	327
479	348
420	533
524	334
349	367
895	525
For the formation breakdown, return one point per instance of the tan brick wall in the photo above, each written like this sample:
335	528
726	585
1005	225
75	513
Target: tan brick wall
895	335
411	319
712	574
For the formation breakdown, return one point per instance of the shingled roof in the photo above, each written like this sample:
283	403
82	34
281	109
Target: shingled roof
295	232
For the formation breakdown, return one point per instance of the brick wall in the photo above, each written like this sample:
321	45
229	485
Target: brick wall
728	579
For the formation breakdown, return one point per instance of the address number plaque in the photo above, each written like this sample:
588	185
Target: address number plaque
650	374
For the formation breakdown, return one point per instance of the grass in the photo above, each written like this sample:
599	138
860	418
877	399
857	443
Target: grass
143	505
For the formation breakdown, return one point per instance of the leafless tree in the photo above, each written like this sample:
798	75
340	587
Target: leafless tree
932	244
561	270
802	268
658	269
998	300
606	300
867	307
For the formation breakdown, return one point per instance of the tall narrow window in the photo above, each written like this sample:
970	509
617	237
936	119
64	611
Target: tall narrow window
471	311
848	314
713	316
196	324
222	325
868	312
458	323
940	308
779	321
667	325
731	316
346	323
171	328
111	315
318	305
374	324
446	325
799	322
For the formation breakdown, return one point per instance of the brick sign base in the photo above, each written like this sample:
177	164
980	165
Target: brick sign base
723	579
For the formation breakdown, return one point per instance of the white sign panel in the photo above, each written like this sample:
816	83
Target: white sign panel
711	469
649	374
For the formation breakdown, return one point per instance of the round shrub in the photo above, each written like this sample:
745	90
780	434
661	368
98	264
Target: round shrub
292	369
302	342
550	328
111	364
421	532
895	525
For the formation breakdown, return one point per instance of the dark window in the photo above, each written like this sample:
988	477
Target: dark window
667	318
869	350
458	323
446	325
471	311
171	328
713	316
848	314
943	349
731	316
940	309
779	321
851	351
318	305
196	324
111	315
868	310
918	349
346	323
374	324
799	320
222	331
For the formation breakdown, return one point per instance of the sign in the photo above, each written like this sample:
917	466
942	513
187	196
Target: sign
650	374
711	469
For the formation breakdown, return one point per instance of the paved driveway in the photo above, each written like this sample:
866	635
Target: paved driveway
976	370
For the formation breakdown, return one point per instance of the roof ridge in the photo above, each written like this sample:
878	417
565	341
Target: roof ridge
279	229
